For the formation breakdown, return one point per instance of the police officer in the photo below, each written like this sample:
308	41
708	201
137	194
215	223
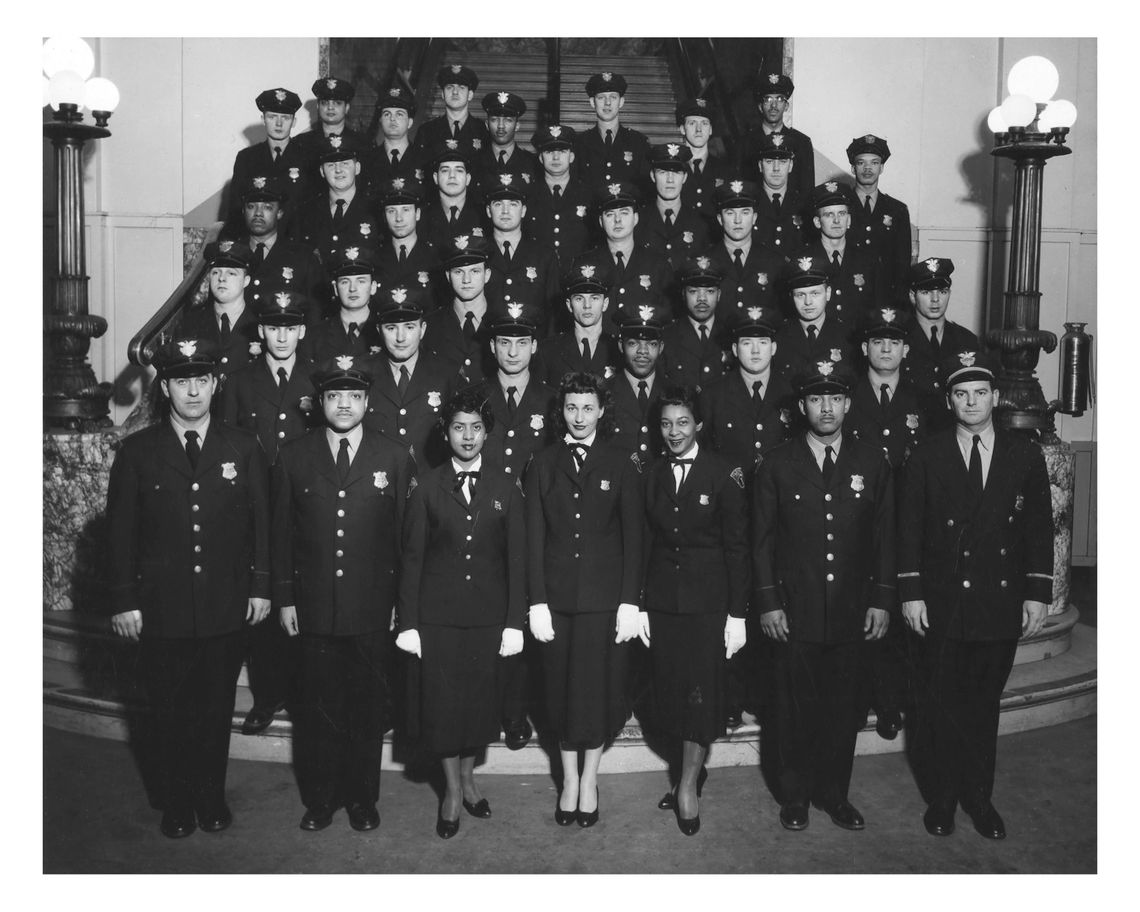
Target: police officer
392	153
277	157
338	505
353	329
698	342
823	564
409	385
558	210
406	258
608	152
932	335
458	332
587	347
455	207
669	227
751	270
772	92
695	122
975	574
779	206
457	84
638	385
879	222
334	100
502	155
188	532
813	334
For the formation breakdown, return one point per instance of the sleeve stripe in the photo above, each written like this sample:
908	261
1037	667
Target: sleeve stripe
1047	576
908	575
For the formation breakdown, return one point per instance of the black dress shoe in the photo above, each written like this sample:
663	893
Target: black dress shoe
794	816
668	801
843	814
176	826
215	821
259	718
939	819
517	735
588	818
363	817
445	829
480	809
317	819
561	817
987	821
733	720
888	724
690	825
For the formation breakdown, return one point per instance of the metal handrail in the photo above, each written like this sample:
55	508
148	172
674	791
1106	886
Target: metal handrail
142	346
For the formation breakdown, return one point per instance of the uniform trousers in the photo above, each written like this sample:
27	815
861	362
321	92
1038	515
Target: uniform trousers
191	684
959	702
340	735
271	663
817	719
884	685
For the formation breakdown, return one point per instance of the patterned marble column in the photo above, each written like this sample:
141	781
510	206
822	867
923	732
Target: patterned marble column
77	468
1061	466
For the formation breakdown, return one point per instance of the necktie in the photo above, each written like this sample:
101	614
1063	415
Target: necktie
812	330
395	158
609	139
470	478
193	451
342	462
282	378
776	203
469	326
756	386
579	452
353	330
835	258
934	343
276	154
258	256
697	166
557	191
502	158
704	333
669	218
224	332
828	464
507	250
642	396
403	254
680	470
586	349
884	394
402	383
738	259
455	128
454	215
867	206
512	400
338	216
620	257
976	484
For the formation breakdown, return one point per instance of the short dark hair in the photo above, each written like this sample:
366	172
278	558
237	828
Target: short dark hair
582	382
473	401
681	396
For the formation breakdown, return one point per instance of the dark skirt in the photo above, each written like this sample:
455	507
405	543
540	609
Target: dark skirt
687	654
453	689
585	673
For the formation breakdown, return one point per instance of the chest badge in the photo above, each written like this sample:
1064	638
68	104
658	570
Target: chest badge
229	472
704	498
604	484
380	480
856	483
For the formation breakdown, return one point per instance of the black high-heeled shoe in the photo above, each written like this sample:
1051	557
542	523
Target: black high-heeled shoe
588	819
688	826
668	801
561	817
445	829
480	809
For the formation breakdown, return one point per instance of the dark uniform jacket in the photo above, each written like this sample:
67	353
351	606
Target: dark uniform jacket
634	432
515	439
896	429
293	170
854	288
782	231
922	368
738	427
756	284
243	346
435	222
823	553
699	192
562	354
529	276
420	269
330	338
643	268
188	547
377	163
627	159
252	400
487	166
802	177
561	225
584	530
313	142
336	548
687	361
293	264
796	355
698	538
688	235
464	564
359	226
471	360
431	134
412	419
886	234
974	568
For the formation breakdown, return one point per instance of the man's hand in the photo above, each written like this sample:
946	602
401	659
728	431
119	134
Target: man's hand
914	613
409	641
875	624
774	625
735	636
1032	617
626	626
511	643
541	626
127	624
288	617
257	610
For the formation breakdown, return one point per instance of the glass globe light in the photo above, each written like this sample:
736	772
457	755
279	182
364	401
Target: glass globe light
46	83
1019	110
996	121
65	87
1034	76
1061	113
73	54
100	94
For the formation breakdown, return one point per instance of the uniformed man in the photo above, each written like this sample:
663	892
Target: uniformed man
751	270
813	334
823	537
975	573
698	343
772	92
273	397
353	329
670	228
706	171
558	212
405	258
457	84
885	413
521	270
334	100
610	153
586	347
852	272
409	385
338	504
392	154
879	222
456	207
628	265
502	155
458	332
277	157
931	335
188	534
779	207
638	385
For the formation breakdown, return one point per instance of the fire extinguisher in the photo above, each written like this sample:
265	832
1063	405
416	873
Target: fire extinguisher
1076	370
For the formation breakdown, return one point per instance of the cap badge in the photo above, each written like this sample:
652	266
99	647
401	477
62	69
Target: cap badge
503	98
754	313
331	83
287	273
476	144
932	264
505	179
515	310
259	183
702	103
283	299
351	253
888	314
399	295
279	94
587	272
555	131
451	143
456	68
645	282
645	312
804	263
673	149
335	140
702	262
225	246
831	186
526	177
967	359
614	189
398	183
606	77
461	242
825	368
773	78
188	349
393	93
344	362
869	138
736	186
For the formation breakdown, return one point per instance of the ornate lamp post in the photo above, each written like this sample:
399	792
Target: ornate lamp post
1029	129
73	400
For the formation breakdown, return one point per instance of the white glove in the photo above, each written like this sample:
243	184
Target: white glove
734	636
409	641
541	626
626	622
512	642
643	626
